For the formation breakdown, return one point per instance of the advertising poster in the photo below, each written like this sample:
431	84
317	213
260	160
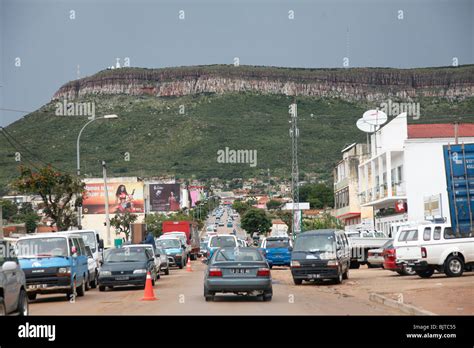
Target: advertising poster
123	197
164	197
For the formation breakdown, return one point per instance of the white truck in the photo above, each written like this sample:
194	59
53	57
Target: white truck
430	247
361	242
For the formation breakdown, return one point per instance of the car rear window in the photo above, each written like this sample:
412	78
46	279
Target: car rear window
279	243
222	242
236	254
126	255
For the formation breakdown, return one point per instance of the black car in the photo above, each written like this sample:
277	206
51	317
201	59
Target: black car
126	266
320	254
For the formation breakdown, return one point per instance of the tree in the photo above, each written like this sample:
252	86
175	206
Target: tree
322	222
121	222
27	215
319	196
256	220
273	204
241	207
9	209
61	193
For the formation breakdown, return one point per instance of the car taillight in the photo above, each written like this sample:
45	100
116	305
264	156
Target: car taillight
215	272
423	253
263	272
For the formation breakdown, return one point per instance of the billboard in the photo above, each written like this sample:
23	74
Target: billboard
164	197
197	194
123	197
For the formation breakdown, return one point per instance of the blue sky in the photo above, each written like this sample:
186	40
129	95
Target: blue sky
371	33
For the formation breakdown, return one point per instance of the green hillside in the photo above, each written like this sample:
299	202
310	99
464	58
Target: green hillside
162	141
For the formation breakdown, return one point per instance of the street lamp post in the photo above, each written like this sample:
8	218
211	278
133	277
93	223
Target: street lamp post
78	167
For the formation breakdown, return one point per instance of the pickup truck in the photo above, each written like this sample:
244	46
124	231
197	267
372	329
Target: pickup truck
361	242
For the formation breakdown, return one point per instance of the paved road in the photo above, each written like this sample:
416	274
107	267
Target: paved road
181	292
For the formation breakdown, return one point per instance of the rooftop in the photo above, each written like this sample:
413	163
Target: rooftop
439	130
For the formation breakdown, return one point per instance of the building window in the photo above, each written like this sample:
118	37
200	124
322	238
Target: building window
400	174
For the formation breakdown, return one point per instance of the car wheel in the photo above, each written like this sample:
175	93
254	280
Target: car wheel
298	281
408	271
369	265
3	310
180	265
87	285
271	266
72	291
267	296
355	265
209	296
23	309
454	266
32	296
101	288
167	271
339	277
95	280
345	275
82	289
425	273
193	257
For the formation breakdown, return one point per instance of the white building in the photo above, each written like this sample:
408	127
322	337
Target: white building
404	179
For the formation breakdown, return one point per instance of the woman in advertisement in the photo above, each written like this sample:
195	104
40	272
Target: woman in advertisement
123	200
173	202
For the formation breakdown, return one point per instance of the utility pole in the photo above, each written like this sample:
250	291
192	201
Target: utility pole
106	192
294	134
1	222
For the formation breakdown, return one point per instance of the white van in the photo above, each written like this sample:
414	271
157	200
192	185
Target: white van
428	247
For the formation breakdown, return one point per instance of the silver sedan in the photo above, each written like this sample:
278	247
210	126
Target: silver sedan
239	271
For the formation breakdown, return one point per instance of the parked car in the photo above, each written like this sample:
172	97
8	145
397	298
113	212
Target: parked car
13	295
164	263
92	239
93	269
320	254
277	250
230	224
126	266
203	248
156	259
53	263
361	242
239	271
182	237
390	258
429	247
221	241
375	256
175	251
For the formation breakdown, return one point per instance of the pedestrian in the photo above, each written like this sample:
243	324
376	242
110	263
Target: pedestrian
149	239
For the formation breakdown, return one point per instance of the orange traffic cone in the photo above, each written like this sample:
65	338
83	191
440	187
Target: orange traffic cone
149	293
188	266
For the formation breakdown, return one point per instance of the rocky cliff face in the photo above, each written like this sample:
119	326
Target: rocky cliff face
349	84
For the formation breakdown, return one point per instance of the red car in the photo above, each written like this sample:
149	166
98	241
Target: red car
389	258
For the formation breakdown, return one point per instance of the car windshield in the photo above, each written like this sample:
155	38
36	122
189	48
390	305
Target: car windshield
42	247
315	242
236	254
222	242
126	255
387	245
169	243
279	243
89	239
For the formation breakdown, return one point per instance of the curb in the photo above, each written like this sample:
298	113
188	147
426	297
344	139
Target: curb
406	308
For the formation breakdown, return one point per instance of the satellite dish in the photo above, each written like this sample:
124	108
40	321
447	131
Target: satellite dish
375	117
366	127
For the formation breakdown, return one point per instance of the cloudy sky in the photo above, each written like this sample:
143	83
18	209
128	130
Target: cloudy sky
44	44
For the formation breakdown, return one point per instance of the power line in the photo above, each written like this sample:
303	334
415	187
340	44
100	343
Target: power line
14	147
33	155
